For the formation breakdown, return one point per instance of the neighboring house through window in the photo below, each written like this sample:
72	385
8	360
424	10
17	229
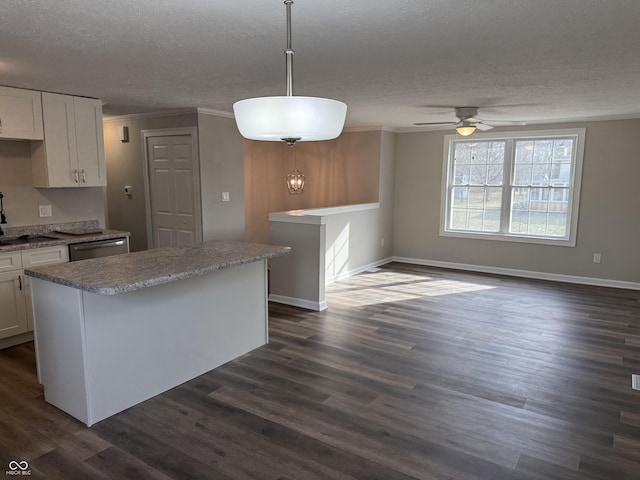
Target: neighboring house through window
520	186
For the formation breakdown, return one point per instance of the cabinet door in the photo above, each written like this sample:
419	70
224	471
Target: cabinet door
90	142
20	114
13	320
55	161
72	154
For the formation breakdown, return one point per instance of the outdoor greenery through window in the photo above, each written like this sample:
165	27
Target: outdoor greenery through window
522	188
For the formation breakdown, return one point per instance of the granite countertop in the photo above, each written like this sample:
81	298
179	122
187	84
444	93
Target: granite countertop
133	271
55	235
64	239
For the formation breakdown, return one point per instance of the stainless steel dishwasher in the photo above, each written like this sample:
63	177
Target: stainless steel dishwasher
98	248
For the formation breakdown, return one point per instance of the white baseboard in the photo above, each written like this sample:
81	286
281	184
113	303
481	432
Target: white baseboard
556	277
299	302
16	340
355	271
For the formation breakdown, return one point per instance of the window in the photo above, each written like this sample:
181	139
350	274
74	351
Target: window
520	186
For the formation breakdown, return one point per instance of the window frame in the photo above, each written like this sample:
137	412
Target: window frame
510	138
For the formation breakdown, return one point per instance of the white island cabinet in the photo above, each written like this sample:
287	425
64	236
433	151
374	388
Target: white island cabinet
112	332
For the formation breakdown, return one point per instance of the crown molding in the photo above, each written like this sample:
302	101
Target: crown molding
369	128
163	113
169	113
217	113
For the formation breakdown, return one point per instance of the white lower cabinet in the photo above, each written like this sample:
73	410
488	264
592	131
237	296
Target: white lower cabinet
13	320
15	299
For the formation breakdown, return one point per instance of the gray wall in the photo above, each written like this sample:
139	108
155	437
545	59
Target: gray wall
125	166
221	170
608	222
298	278
22	199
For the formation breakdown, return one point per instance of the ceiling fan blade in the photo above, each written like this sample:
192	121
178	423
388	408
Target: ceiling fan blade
483	127
436	123
505	123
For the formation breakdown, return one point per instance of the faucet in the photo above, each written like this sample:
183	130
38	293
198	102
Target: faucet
3	216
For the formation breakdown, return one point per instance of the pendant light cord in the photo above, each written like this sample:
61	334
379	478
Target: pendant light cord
295	159
291	142
289	51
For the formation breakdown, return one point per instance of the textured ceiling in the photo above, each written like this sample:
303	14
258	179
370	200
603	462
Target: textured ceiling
394	62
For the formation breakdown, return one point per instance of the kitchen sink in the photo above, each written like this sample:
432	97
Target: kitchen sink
23	239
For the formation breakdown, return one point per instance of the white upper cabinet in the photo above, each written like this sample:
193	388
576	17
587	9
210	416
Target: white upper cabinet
90	142
72	154
20	114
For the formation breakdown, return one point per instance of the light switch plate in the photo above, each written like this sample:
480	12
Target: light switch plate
225	197
44	210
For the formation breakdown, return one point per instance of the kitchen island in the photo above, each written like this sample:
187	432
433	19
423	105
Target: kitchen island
112	332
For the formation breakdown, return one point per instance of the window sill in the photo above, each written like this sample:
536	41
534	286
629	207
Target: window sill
501	237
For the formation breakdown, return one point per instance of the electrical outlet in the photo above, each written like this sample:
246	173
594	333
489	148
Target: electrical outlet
597	257
382	242
635	381
225	197
44	210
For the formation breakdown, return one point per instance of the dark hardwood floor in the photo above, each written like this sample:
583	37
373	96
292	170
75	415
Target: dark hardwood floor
413	372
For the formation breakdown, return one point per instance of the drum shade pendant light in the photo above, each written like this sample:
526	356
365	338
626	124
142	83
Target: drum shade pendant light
289	117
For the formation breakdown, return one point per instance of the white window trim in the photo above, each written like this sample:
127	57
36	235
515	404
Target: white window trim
576	181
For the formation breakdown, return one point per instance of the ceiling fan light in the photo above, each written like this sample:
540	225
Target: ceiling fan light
276	118
465	131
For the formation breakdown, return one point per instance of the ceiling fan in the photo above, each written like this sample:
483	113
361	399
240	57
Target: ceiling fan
468	122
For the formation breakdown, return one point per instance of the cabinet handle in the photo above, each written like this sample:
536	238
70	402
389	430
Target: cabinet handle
84	176
20	282
76	178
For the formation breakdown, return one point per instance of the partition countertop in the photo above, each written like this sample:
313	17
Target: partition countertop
133	271
318	216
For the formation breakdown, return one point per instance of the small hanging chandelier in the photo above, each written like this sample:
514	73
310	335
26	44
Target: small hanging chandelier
280	118
295	178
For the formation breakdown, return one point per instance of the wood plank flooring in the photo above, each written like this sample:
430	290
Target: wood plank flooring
413	372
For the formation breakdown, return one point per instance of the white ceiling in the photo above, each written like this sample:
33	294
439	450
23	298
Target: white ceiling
394	62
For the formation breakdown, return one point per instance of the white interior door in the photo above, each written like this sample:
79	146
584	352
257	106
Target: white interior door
173	191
